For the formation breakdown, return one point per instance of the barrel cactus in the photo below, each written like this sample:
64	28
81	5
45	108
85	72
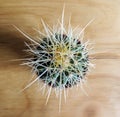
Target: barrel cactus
60	57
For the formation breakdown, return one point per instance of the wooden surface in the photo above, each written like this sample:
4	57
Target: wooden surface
103	81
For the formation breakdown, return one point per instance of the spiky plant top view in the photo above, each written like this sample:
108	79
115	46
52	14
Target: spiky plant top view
64	59
60	57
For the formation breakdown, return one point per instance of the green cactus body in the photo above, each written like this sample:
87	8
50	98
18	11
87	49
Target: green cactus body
65	60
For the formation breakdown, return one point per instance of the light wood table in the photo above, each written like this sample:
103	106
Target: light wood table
103	81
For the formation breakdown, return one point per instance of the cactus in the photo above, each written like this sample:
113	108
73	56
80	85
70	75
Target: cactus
60	57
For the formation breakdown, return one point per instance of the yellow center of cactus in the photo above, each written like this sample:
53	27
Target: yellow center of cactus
61	57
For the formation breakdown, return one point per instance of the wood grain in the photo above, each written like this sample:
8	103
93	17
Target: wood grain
103	81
